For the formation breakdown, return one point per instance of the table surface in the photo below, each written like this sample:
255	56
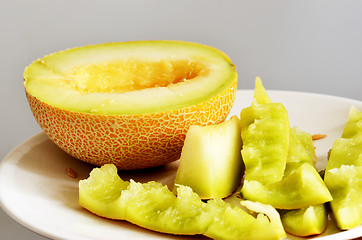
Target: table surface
304	46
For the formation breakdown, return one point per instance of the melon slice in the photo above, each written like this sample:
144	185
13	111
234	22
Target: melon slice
129	103
211	161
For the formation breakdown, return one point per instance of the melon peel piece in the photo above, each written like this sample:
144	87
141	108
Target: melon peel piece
260	95
246	222
265	137
306	221
279	165
343	174
296	190
345	184
268	211
101	191
151	205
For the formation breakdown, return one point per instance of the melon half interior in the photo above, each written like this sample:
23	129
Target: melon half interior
130	77
100	102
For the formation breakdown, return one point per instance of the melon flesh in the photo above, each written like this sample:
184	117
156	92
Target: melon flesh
210	160
130	77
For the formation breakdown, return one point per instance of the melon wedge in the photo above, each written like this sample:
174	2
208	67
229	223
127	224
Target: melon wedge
211	161
129	103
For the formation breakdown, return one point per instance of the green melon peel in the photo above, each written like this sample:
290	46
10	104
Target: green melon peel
153	206
343	175
279	166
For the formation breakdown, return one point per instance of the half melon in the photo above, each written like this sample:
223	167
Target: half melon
129	103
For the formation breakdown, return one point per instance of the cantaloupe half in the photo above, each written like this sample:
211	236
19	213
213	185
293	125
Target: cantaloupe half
129	103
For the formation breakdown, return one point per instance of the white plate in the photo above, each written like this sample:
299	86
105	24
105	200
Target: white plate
36	191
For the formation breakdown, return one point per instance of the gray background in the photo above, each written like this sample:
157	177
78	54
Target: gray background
310	46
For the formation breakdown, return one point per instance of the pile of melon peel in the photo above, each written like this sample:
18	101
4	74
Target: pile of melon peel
258	157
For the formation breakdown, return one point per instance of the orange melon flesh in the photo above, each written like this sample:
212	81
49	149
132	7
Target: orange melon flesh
130	75
129	103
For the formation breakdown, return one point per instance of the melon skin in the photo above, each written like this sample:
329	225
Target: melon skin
128	141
